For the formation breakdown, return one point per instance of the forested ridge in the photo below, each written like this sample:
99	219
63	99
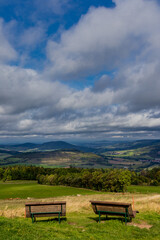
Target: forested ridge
114	180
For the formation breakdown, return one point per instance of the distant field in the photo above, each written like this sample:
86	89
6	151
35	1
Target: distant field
4	155
23	190
54	159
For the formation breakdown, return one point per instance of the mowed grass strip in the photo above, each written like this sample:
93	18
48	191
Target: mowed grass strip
34	190
25	189
143	189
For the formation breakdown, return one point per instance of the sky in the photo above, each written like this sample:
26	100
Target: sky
79	70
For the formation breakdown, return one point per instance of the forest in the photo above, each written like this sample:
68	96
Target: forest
109	180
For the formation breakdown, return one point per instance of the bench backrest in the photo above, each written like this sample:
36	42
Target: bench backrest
46	207
113	207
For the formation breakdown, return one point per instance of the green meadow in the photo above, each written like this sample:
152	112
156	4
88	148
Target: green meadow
80	221
30	189
24	189
143	189
79	226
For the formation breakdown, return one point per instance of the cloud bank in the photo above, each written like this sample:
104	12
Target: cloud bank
114	50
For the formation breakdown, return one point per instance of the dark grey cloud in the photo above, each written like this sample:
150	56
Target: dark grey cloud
101	84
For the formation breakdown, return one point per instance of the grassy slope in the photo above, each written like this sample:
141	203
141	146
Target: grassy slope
34	190
81	222
24	189
83	226
144	189
54	158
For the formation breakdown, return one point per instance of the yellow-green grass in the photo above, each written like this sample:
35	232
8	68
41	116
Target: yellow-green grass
81	222
75	227
80	203
15	193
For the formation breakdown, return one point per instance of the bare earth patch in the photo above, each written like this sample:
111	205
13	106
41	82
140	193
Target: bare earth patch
140	225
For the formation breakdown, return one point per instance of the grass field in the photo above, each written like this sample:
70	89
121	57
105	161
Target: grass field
27	189
76	227
80	221
144	189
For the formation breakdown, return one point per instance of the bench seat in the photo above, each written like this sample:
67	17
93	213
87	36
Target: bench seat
114	209
45	209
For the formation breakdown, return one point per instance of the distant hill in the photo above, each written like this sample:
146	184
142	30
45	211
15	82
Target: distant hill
102	146
57	145
136	155
54	145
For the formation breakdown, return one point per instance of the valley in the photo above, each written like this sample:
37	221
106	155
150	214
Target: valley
133	155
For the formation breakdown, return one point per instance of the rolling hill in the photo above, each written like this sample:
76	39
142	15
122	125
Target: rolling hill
127	154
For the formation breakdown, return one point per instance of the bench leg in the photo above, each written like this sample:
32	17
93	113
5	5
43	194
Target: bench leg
32	218
126	215
125	219
59	217
99	217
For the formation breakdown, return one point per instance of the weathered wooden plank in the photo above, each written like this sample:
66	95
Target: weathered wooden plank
111	203
45	209
45	203
113	208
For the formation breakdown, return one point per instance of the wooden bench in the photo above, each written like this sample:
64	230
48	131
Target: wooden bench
114	209
45	209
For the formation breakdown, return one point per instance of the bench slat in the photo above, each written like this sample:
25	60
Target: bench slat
44	203
113	208
45	209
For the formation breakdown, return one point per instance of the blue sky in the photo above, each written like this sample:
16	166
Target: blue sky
79	70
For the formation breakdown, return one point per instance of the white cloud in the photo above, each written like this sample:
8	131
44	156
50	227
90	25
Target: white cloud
24	89
104	38
7	52
32	36
124	39
57	7
25	124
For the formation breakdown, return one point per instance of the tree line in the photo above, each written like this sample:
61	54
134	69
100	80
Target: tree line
114	180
